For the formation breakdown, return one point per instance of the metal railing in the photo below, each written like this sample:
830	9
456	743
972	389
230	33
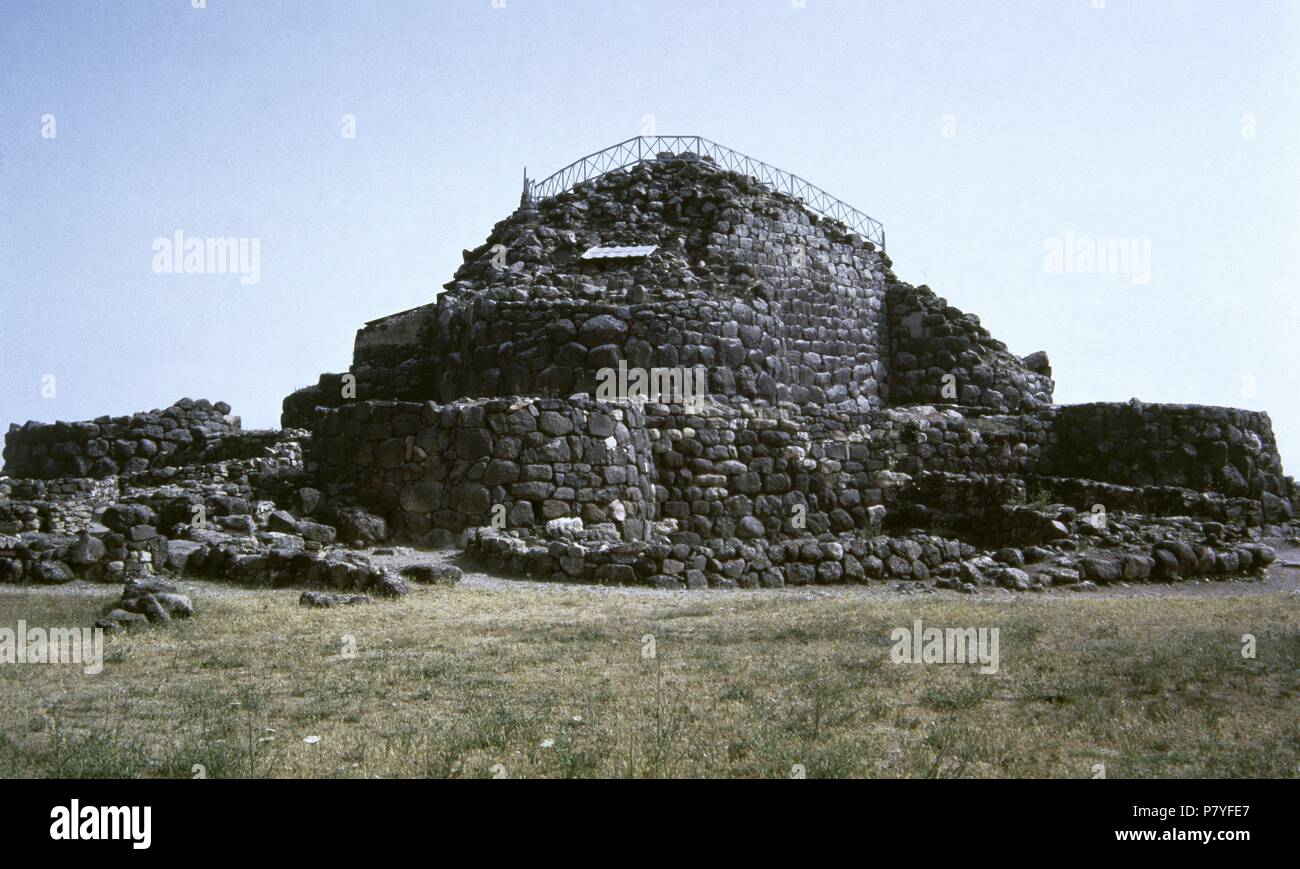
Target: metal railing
644	148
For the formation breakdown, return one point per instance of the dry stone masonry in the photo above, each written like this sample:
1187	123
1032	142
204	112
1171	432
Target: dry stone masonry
108	445
842	426
434	470
226	504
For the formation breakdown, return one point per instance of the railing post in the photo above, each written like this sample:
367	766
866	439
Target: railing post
611	158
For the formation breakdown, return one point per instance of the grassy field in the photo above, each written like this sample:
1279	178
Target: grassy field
462	682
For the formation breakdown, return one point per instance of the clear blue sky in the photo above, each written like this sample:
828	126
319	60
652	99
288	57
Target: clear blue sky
1125	121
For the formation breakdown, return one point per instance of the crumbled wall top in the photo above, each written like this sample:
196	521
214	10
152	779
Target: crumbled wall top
775	302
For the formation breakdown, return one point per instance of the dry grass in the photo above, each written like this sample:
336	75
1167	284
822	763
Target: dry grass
464	683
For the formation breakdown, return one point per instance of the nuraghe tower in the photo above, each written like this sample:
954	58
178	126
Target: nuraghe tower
842	405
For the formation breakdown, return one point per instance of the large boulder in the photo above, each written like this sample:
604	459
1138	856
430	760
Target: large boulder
1038	363
356	527
86	551
118	619
1166	566
122	517
386	583
1261	556
179	552
156	599
50	572
283	521
1101	570
316	531
435	574
1188	563
11	570
1014	578
326	600
307	500
602	329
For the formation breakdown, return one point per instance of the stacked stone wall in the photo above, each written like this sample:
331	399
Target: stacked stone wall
1216	449
823	560
432	470
774	302
826	291
762	326
925	439
107	446
725	475
934	345
60	506
1085	495
740	471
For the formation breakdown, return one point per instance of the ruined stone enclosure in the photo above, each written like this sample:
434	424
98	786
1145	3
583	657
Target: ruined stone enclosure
811	419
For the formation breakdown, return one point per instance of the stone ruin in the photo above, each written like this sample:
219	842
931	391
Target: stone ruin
183	491
843	426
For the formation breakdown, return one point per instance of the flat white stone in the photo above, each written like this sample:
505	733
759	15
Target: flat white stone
614	252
